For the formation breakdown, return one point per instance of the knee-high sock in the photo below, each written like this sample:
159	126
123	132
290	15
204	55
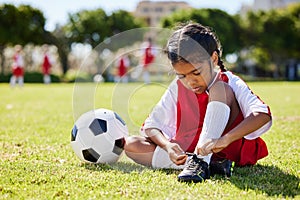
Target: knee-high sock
215	121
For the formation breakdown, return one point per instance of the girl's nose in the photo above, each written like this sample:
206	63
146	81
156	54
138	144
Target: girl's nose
190	80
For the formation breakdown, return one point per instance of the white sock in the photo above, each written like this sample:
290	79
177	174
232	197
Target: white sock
21	81
13	80
215	121
47	79
161	160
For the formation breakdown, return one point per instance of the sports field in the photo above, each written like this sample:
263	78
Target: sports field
37	161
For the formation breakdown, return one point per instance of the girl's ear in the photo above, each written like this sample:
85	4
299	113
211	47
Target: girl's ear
215	58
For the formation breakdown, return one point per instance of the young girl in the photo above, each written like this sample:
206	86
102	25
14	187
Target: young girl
148	59
209	114
46	66
17	68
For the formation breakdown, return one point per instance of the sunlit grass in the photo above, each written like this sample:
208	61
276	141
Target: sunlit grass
37	161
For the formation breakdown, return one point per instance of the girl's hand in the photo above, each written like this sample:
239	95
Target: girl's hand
176	154
212	146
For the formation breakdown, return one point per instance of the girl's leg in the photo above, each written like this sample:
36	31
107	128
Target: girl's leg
146	76
47	79
13	81
140	149
21	80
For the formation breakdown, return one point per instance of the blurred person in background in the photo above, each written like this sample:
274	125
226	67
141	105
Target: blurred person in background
46	66
148	59
17	67
122	65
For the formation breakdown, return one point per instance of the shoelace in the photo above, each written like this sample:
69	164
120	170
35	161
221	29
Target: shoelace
193	162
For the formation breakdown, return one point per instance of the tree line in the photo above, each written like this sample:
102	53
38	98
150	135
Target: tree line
269	38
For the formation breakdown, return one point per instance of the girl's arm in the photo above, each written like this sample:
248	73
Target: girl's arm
223	93
251	123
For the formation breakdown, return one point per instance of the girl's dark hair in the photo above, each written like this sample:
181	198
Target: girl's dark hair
192	43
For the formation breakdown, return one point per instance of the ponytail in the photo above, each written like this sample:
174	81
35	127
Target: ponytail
221	65
220	62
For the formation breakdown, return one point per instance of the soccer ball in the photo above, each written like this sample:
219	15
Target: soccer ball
98	136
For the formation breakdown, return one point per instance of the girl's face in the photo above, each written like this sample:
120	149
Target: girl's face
195	77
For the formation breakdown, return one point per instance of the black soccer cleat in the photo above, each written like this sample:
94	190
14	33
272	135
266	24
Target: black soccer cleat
195	171
223	167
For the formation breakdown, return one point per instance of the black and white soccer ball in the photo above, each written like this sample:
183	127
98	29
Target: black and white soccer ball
98	136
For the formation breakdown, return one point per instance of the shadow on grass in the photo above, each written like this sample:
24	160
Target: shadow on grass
269	180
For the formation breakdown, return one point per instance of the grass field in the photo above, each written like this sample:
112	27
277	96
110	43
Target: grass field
37	161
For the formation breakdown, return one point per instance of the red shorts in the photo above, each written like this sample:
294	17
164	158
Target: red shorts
244	152
18	71
46	70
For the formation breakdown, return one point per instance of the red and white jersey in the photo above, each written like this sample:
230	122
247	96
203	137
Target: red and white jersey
165	114
122	63
18	61
148	52
47	63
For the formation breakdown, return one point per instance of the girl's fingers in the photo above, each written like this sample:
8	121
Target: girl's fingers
181	159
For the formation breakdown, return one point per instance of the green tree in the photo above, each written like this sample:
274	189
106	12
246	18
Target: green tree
58	38
94	26
122	20
276	32
20	25
225	25
88	26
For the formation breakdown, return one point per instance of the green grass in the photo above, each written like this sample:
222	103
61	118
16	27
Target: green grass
37	161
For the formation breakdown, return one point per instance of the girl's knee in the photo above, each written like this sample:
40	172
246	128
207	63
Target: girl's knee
138	144
139	149
131	143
